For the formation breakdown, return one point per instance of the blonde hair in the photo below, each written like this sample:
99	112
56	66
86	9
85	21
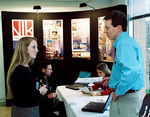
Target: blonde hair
20	57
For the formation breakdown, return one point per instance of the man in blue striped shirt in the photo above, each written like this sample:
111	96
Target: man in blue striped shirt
127	76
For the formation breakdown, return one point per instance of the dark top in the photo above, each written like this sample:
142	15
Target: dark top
23	87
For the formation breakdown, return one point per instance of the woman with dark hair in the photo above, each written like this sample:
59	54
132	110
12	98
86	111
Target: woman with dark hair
103	71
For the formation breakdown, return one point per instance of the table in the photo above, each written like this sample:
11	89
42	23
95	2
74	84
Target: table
75	100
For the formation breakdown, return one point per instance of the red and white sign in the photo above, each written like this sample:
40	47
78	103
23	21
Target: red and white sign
21	28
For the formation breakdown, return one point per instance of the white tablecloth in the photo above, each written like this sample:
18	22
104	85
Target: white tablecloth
75	100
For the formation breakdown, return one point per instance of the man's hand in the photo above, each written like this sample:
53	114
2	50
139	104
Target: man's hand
115	96
105	81
52	95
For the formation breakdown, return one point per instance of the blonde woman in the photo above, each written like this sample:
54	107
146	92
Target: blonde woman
21	82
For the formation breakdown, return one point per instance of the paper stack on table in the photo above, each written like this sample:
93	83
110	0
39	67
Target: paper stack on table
89	80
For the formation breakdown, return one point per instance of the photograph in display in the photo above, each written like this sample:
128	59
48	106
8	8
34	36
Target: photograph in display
53	39
58	23
80	38
54	34
49	43
21	28
106	50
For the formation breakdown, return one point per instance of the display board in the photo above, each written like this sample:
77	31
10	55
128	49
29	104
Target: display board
105	45
53	39
80	31
21	28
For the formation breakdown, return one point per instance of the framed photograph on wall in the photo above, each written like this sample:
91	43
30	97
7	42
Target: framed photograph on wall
106	50
80	34
53	39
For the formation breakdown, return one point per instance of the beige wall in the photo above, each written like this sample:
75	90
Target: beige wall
2	78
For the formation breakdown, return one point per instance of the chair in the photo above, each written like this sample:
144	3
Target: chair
146	102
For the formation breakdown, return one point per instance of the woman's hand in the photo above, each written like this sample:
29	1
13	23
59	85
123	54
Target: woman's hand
95	93
83	92
43	90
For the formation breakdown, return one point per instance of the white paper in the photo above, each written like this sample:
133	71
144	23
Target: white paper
85	89
89	80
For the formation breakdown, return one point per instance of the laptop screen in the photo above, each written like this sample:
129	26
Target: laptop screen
84	74
108	100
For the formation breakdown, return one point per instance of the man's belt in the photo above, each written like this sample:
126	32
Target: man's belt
129	91
132	91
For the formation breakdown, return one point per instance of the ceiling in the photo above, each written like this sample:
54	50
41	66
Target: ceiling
56	0
67	0
72	0
53	5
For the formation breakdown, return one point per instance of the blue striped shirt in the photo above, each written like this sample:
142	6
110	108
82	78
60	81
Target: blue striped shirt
128	67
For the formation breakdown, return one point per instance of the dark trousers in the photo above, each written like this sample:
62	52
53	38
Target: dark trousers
60	107
49	111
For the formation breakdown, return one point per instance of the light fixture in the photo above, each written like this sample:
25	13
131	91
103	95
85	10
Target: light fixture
84	5
36	8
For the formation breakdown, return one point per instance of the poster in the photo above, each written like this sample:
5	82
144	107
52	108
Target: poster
80	31
106	50
21	28
53	39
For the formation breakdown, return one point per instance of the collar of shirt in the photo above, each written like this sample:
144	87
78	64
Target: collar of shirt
118	38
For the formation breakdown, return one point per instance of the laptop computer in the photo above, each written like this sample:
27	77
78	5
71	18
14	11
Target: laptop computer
99	107
82	74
